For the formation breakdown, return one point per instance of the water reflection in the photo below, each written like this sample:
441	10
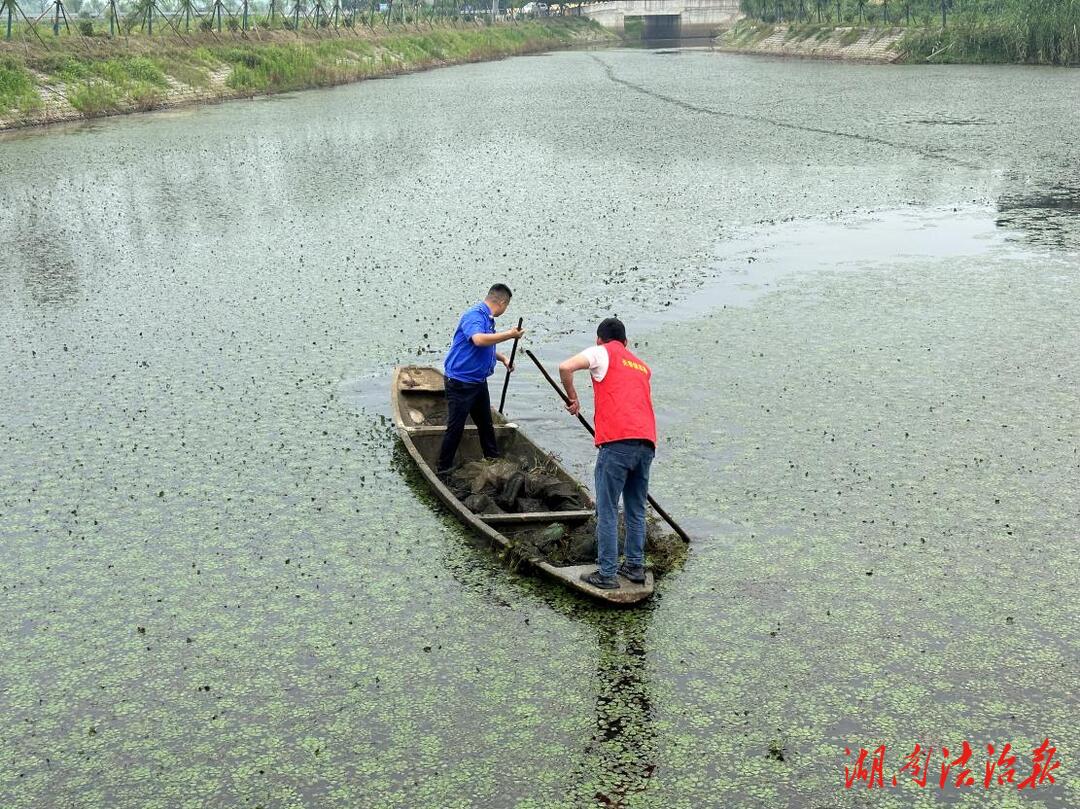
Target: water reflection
667	45
620	757
48	267
1046	217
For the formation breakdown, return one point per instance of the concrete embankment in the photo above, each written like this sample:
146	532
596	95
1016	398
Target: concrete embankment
77	77
813	41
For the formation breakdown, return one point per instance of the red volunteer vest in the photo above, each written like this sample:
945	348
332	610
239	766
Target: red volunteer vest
623	398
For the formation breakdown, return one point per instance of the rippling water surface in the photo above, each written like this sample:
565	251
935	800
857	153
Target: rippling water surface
857	286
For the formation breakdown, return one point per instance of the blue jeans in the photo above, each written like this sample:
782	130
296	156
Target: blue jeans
622	468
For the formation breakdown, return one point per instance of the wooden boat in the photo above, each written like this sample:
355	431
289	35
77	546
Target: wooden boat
417	396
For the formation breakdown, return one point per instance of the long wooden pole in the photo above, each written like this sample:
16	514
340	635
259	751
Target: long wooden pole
513	353
585	423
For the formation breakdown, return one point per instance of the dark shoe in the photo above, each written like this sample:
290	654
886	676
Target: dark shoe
600	582
635	573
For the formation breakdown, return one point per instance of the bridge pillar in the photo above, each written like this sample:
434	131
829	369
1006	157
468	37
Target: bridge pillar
704	17
610	18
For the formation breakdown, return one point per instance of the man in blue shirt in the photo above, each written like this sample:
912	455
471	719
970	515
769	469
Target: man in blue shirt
470	361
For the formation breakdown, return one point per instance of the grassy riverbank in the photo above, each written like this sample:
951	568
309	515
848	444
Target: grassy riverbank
1039	42
814	40
85	77
998	31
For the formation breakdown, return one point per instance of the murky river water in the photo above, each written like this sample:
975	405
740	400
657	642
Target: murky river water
859	289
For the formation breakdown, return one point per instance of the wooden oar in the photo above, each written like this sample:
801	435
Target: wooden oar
585	423
513	353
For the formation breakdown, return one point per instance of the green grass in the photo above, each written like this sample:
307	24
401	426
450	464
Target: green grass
17	91
131	72
800	32
62	66
974	41
99	86
1010	31
851	36
748	32
808	30
191	74
275	67
93	98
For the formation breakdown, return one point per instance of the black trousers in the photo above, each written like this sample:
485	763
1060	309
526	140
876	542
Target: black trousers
464	399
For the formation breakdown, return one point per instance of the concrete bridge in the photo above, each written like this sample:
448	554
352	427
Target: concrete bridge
666	18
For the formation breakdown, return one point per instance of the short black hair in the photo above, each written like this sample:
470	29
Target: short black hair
611	328
500	292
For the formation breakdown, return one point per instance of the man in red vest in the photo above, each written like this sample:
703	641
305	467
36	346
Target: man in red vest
626	437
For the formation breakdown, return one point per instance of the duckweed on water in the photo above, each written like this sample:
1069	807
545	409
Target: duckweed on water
198	334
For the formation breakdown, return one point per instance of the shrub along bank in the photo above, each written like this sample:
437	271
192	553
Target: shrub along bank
1004	31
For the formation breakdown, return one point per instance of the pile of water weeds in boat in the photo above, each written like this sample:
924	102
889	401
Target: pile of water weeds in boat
562	544
506	485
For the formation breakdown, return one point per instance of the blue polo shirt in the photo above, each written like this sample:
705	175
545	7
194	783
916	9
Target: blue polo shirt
465	361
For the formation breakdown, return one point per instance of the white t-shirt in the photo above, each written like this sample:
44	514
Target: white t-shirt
598	362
